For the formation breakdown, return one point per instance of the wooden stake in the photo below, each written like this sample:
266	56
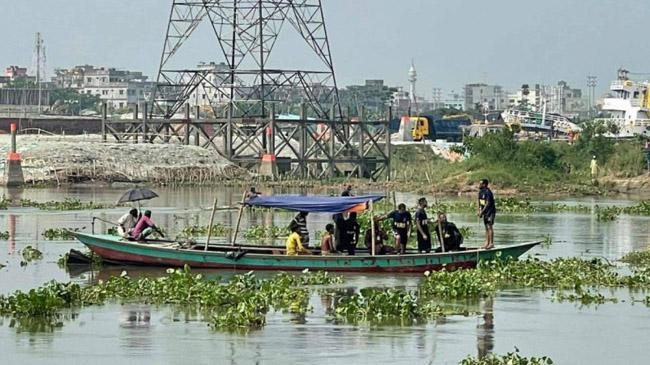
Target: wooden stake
214	208
241	211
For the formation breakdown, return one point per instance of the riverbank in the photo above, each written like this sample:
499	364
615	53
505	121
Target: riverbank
61	160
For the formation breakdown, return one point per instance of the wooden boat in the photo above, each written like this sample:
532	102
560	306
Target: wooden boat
170	254
112	249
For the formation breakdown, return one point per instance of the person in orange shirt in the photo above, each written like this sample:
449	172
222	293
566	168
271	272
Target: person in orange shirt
294	243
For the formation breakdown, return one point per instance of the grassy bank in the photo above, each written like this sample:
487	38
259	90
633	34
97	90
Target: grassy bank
535	167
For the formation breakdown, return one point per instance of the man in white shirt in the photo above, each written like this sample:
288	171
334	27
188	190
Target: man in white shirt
127	222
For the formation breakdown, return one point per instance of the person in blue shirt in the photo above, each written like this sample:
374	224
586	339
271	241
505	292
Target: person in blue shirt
487	210
422	225
402	222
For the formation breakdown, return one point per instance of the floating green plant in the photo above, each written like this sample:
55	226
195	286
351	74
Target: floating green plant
256	232
59	233
218	230
66	204
511	358
637	259
585	297
5	235
238	304
29	253
607	214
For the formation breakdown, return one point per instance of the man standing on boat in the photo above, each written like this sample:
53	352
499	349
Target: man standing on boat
301	220
339	219
402	222
422	225
350	234
487	210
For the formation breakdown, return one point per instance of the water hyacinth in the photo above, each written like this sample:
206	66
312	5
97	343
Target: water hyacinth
60	233
30	253
256	232
240	303
511	358
218	230
66	204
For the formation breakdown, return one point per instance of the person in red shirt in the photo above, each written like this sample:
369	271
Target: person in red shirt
145	227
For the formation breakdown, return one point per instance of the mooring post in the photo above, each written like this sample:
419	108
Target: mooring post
303	140
272	131
361	147
332	142
104	113
186	137
144	123
387	144
13	168
197	114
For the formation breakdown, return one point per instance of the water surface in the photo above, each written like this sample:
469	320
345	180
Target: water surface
529	320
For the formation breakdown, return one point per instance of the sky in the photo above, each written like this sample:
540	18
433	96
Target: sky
451	42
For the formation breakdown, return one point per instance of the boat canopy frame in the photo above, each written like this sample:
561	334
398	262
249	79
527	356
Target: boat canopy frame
314	204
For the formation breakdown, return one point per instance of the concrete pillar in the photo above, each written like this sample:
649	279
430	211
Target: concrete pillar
269	166
13	167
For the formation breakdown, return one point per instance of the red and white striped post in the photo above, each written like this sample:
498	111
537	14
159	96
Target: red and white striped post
13	167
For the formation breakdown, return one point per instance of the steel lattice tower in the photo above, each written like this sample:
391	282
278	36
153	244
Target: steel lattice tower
244	34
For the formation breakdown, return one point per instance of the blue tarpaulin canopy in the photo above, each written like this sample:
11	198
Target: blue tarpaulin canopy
322	204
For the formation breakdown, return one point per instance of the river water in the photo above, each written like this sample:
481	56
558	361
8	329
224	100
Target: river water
528	320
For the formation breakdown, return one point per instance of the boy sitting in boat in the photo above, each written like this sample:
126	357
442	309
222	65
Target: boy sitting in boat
294	243
327	241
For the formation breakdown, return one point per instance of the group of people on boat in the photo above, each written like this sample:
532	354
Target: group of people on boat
345	233
135	226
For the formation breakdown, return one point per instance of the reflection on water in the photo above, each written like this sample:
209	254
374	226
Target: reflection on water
153	335
485	328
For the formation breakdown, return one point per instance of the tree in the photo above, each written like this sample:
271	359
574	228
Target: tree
22	82
69	101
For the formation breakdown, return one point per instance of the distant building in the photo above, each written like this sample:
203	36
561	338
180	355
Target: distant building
118	88
488	97
560	98
455	101
373	95
14	72
214	89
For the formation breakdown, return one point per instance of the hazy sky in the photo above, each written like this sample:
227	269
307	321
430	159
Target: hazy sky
453	42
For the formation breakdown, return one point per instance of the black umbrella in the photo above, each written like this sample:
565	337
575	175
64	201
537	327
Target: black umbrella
137	194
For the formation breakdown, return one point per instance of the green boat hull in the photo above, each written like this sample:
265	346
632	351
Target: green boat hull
112	249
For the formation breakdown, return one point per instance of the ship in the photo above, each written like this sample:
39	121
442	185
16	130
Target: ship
627	107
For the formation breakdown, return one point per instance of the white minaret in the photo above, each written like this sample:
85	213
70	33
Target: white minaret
412	78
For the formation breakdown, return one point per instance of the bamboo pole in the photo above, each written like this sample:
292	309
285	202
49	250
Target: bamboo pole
241	211
214	208
372	228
